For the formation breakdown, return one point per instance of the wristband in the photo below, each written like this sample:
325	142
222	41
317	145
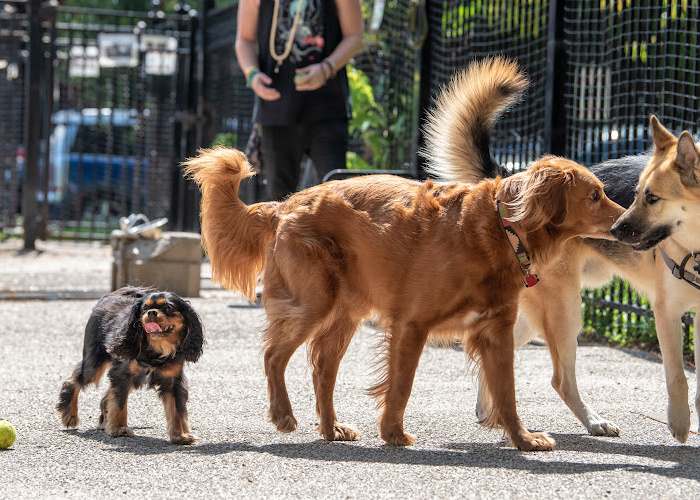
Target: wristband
251	75
330	64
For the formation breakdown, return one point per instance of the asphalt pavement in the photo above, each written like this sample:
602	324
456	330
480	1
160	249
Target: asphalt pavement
239	453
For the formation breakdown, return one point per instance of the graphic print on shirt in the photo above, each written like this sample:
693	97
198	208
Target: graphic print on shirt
308	40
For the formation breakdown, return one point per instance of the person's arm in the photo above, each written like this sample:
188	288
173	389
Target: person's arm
247	50
350	17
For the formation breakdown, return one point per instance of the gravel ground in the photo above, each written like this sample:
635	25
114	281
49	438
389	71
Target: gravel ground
240	454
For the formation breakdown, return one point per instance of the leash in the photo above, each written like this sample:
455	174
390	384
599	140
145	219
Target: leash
529	279
678	270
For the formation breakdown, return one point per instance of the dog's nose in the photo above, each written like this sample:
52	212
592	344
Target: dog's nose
622	229
152	314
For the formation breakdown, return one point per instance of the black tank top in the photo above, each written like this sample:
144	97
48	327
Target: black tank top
317	36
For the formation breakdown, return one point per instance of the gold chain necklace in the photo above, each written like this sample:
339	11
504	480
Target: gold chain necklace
279	58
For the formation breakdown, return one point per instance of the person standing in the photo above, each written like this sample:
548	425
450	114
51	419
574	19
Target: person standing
293	54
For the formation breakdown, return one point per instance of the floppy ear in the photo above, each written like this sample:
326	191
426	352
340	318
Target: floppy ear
540	198
659	134
126	335
193	342
687	159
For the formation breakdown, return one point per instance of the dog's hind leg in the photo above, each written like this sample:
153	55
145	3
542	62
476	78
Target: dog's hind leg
85	373
326	350
282	337
405	348
557	314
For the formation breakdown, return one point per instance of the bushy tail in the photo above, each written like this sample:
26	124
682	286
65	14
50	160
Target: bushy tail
68	397
459	127
234	234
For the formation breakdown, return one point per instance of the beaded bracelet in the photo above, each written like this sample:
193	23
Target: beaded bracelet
330	65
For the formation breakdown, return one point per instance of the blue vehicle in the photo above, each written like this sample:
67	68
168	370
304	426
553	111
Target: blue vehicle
95	164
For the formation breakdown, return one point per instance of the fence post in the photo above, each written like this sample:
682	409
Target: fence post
32	127
555	83
425	94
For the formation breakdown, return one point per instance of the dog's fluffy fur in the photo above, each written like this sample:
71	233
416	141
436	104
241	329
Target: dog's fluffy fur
671	172
141	336
427	258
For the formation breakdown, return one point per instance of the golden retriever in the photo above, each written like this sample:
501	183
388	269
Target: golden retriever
428	258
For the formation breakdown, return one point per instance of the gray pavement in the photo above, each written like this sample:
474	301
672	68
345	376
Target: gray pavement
241	455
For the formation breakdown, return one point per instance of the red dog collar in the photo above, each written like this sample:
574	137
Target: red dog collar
530	279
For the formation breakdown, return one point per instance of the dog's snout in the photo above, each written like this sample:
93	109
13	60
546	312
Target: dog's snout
152	314
623	230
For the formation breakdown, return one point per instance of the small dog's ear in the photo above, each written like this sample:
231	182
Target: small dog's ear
193	343
539	198
127	333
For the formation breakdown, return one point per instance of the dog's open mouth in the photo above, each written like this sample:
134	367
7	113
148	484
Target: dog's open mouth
153	328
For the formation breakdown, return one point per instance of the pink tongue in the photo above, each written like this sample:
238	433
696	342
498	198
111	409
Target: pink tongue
152	327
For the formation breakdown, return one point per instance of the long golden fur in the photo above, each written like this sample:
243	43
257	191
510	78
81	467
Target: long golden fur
429	258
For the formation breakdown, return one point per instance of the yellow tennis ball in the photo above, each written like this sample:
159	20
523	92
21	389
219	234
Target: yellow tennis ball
8	434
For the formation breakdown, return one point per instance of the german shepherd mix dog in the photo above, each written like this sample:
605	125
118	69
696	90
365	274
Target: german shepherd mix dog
660	257
427	258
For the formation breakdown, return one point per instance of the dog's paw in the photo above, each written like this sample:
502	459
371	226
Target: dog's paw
183	439
120	432
340	432
70	421
284	423
399	438
535	441
603	428
679	422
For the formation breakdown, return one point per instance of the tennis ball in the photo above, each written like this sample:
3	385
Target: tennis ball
7	434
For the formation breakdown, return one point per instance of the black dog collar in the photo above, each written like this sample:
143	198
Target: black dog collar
678	270
529	279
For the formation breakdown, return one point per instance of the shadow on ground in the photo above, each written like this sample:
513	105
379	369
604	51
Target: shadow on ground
684	461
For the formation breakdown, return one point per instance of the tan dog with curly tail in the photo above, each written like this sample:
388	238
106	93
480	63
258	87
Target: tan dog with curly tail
428	258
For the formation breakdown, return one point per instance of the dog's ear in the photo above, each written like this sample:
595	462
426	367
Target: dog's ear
687	159
659	134
539	198
193	343
127	335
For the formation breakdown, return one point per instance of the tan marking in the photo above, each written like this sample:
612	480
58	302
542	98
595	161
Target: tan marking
116	415
149	302
170	370
167	346
173	418
134	368
161	301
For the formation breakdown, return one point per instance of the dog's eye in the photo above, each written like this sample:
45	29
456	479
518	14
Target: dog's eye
650	198
595	195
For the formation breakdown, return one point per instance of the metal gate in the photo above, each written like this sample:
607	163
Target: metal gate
108	94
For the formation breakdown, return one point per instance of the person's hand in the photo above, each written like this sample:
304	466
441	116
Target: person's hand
260	86
310	78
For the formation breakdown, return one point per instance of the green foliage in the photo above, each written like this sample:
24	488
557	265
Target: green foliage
227	139
375	125
603	321
524	18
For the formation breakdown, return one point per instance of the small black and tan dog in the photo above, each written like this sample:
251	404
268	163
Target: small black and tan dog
144	337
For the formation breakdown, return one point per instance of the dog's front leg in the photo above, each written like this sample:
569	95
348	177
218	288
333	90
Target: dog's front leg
174	394
491	343
670	334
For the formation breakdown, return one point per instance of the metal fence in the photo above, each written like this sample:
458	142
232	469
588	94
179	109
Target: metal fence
125	96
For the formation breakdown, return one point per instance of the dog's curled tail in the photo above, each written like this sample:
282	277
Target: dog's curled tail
459	127
234	235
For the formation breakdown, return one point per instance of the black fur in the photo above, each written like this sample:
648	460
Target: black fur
621	176
115	335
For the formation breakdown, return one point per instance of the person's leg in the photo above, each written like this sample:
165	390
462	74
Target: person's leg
281	154
328	145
